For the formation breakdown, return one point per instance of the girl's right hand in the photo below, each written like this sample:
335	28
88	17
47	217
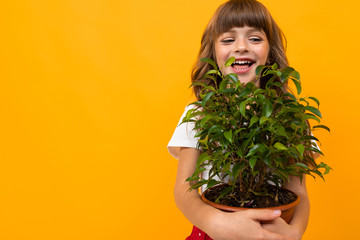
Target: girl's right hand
244	225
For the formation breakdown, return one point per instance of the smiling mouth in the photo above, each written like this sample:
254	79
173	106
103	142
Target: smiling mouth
242	65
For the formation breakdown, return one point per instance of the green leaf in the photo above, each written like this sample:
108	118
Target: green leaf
310	116
223	84
204	142
308	137
244	92
188	115
228	135
252	162
285	73
211	183
193	178
318	173
214	129
198	84
239	153
284	76
227	167
313	110
210	61
256	148
278	84
236	169
238	130
297	84
198	184
295	74
238	84
259	69
263	119
224	192
280	146
315	150
321	126
267	160
213	71
251	85
280	130
206	98
205	119
315	100
209	76
268	71
300	148
233	77
274	66
253	120
268	108
196	174
290	95
242	108
229	61
288	70
302	165
201	159
324	165
304	100
228	90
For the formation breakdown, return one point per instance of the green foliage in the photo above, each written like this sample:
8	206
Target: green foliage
254	136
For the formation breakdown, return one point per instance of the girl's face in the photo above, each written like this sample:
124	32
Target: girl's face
250	48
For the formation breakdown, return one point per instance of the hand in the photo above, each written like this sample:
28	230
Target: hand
279	226
244	225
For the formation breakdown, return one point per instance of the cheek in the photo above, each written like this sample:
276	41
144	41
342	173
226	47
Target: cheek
218	60
221	59
217	55
267	52
264	54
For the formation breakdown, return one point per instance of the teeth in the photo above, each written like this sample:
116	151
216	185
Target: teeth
243	62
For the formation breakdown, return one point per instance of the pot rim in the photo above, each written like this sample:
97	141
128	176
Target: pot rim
235	209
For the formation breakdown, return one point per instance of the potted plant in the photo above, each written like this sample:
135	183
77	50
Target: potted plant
253	139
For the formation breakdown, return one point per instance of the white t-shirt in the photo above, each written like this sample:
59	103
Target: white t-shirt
184	136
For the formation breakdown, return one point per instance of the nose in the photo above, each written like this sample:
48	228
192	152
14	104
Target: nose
241	46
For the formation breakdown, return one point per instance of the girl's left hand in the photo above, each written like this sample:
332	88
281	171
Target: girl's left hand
279	226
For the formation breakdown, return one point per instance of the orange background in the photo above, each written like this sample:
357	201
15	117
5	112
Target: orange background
91	92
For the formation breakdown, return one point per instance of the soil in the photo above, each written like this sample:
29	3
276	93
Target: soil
237	199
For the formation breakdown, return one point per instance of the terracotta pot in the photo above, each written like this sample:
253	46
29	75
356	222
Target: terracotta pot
287	211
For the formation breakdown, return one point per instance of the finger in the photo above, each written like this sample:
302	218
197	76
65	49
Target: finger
268	227
264	215
274	236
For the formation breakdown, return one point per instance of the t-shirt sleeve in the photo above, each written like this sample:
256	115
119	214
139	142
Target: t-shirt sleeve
184	136
315	145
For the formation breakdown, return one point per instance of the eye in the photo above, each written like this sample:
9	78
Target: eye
255	39
227	40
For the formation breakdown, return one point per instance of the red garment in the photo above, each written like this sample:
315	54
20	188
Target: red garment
197	234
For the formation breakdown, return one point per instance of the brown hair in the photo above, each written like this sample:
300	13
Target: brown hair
238	13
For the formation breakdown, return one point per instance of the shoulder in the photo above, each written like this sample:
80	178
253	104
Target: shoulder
183	136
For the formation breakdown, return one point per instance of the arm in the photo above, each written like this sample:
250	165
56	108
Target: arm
190	203
217	224
302	211
299	222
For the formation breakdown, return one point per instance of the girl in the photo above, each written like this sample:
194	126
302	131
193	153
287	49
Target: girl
243	29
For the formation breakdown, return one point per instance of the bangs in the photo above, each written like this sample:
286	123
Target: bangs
240	14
